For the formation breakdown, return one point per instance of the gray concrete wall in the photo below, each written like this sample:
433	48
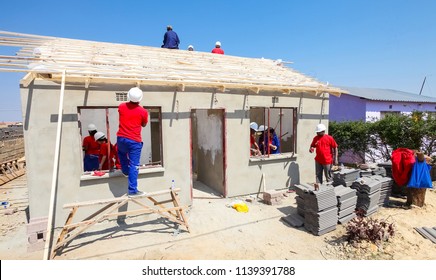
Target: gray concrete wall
243	175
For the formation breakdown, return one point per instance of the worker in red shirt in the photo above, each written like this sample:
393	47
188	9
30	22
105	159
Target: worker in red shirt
326	150
91	149
132	118
254	148
218	48
107	157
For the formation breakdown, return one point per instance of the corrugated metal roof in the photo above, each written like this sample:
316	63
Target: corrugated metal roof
388	95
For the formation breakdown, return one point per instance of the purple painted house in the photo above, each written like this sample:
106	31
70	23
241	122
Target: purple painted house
367	104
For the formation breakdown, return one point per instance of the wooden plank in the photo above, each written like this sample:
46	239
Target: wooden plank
117	199
180	212
91	222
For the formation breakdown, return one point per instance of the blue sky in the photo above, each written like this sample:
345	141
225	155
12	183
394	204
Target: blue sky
380	44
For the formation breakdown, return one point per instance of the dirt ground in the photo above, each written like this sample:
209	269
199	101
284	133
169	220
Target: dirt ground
219	232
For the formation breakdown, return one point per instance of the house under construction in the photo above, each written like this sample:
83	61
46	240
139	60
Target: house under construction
201	106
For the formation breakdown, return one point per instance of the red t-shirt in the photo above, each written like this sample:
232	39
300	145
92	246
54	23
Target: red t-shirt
110	160
218	51
91	146
324	145
132	118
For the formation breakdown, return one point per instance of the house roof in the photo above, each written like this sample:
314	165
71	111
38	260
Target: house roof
388	95
98	62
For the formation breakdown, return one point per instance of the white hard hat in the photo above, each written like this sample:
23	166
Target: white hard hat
262	128
92	127
99	135
190	47
320	127
254	126
218	43
135	94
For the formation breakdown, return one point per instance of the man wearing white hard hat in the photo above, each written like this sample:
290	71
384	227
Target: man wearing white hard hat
132	118
91	149
254	148
326	153
191	48
108	156
218	48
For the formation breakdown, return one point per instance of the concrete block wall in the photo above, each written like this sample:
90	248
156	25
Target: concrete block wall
36	234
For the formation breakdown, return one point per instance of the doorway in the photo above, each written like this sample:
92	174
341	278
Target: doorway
208	153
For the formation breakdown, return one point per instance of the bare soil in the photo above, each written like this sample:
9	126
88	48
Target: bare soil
219	232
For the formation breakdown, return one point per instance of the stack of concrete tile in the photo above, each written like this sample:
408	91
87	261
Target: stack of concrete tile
366	172
368	194
273	197
321	212
301	190
379	170
345	177
385	189
388	168
347	200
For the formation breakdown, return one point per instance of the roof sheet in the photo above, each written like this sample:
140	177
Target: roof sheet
388	95
91	61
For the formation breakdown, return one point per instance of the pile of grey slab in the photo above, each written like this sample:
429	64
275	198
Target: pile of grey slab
347	200
318	207
352	190
368	195
345	177
385	189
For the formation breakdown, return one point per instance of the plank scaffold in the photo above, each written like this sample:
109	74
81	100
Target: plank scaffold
70	230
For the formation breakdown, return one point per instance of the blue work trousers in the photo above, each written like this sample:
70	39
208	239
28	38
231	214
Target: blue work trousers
129	153
90	163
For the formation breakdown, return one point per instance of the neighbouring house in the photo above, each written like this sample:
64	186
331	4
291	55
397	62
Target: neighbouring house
201	106
370	104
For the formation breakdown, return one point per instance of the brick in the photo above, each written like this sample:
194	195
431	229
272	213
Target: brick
271	194
37	225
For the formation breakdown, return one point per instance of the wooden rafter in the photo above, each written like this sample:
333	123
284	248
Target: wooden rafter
110	62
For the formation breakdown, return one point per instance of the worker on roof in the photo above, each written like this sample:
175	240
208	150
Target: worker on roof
171	40
91	149
218	48
190	48
132	118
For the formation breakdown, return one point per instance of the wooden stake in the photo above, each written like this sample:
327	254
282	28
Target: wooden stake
54	178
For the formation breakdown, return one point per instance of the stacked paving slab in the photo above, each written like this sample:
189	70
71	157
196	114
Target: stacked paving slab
319	207
345	177
347	200
385	189
368	194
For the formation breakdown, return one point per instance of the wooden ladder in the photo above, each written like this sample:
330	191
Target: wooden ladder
70	230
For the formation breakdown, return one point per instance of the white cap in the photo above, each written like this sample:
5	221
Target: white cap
218	43
320	127
190	47
253	126
92	127
262	128
99	135
135	94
